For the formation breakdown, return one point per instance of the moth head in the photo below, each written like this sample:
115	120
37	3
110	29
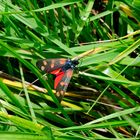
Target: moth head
75	62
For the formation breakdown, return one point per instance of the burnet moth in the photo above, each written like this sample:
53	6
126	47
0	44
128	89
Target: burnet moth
63	69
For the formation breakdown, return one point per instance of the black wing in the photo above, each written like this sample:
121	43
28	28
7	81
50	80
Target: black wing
61	83
49	65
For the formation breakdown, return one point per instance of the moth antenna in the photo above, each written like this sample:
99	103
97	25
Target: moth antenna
83	54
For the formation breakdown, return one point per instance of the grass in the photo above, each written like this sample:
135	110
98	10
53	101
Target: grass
102	100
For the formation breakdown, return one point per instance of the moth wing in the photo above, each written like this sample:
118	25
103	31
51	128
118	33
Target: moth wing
50	65
61	83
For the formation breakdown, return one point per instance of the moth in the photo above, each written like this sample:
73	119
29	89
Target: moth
62	69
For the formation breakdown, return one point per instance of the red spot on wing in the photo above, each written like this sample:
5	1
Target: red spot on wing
69	73
56	72
62	61
58	79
